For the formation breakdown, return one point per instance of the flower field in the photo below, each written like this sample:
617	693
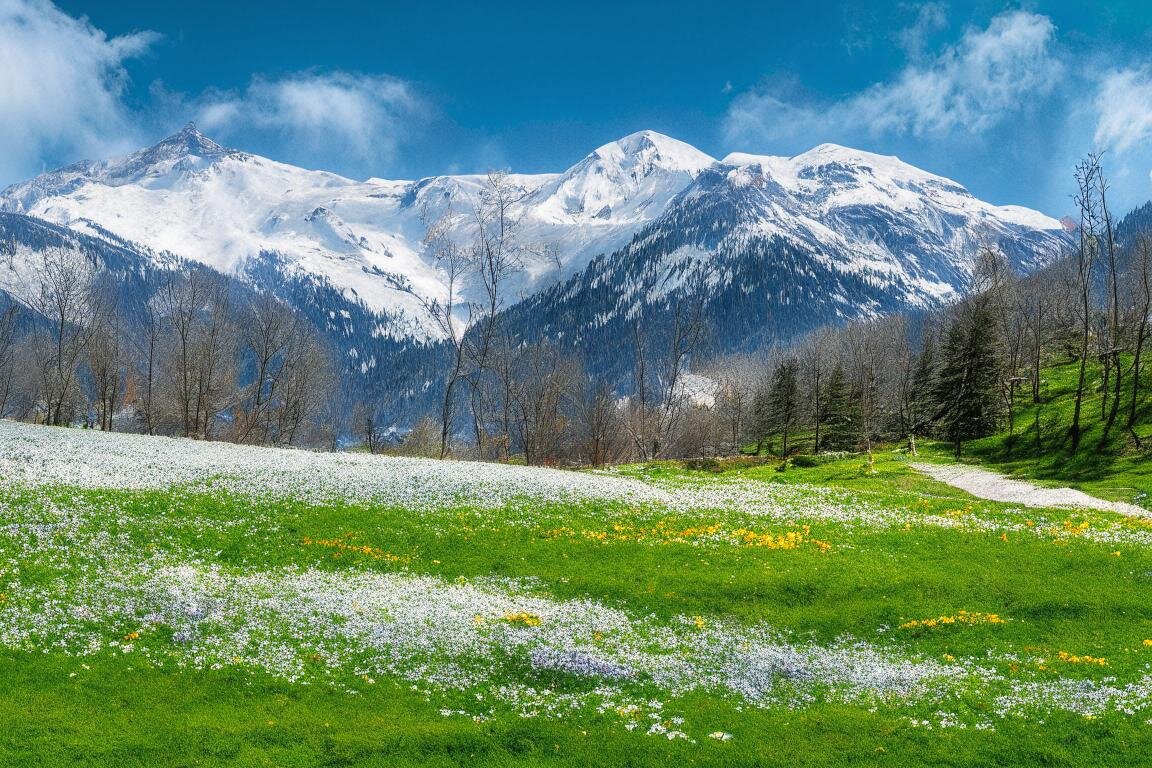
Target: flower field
167	602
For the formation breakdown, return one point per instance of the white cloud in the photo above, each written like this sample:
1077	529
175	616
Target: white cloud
930	19
61	87
314	115
1124	109
968	87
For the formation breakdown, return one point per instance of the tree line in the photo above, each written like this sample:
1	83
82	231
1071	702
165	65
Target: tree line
200	359
961	372
955	373
193	359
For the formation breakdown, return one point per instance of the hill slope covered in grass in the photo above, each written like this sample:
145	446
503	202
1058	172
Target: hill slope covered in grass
166	602
1110	465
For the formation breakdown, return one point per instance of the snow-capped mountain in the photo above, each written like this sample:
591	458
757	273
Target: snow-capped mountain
832	233
230	209
772	247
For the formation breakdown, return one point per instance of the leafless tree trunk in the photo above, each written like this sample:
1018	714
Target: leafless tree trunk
660	404
814	352
544	383
146	339
8	356
106	364
200	349
65	296
456	265
1087	182
1115	328
598	418
866	349
1141	282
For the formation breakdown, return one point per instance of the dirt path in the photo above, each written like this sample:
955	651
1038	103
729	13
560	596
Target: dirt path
993	486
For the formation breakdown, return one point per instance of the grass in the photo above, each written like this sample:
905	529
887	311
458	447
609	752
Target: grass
1077	583
870	579
1108	466
114	715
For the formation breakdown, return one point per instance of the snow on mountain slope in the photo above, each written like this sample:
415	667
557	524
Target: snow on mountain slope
874	213
189	196
779	246
225	208
831	177
620	181
896	235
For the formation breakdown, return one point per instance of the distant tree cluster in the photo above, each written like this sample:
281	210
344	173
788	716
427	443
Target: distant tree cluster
199	359
954	374
959	373
192	359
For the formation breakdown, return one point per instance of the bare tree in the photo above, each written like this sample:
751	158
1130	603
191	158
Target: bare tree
1111	355
269	336
867	350
479	348
659	392
497	255
146	338
544	380
736	377
1140	282
456	265
107	364
598	420
907	381
366	425
9	356
199	349
1087	183
815	353
63	293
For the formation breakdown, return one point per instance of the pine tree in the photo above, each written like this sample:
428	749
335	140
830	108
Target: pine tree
922	398
784	401
837	412
761	417
968	387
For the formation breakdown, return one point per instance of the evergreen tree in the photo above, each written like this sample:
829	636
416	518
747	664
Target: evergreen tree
968	386
922	397
784	400
761	418
837	412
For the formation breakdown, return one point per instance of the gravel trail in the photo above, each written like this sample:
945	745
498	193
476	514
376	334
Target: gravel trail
994	486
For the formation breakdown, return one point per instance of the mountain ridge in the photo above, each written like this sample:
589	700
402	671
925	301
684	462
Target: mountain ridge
882	233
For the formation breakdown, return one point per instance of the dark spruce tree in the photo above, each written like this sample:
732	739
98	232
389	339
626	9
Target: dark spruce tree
837	434
922	401
784	401
968	385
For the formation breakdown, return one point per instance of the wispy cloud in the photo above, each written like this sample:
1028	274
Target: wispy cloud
314	116
62	87
930	19
968	87
64	96
1123	106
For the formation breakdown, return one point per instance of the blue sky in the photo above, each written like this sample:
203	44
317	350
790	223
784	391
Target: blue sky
1001	97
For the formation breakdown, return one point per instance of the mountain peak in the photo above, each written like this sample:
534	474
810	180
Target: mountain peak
629	178
653	149
837	152
185	150
191	141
